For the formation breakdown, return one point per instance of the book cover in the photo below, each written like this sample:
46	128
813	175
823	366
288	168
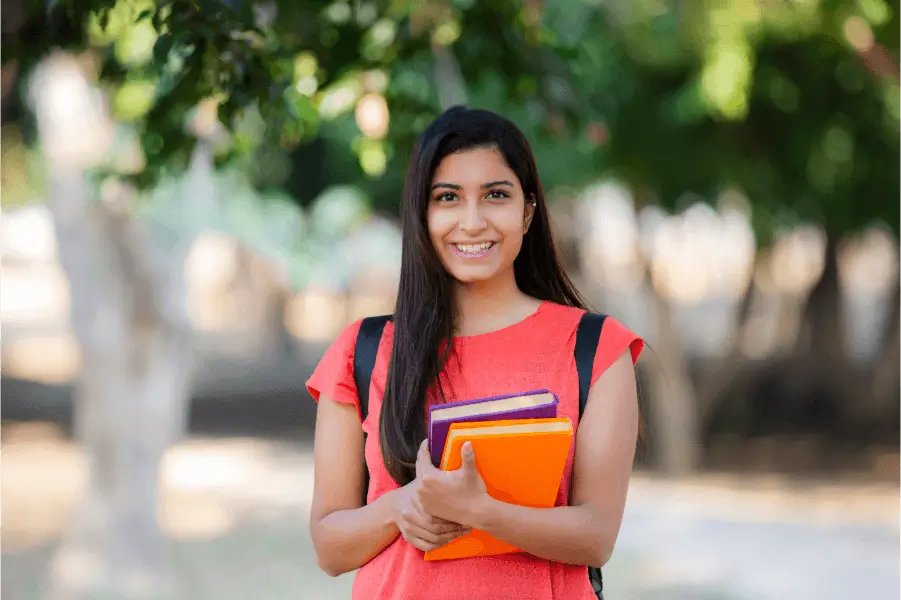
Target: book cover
537	404
521	462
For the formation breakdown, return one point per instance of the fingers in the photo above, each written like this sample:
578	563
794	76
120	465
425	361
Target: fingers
438	539
441	527
433	524
419	518
426	532
426	540
420	465
469	456
424	459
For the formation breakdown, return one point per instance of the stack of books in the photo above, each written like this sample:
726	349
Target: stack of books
520	446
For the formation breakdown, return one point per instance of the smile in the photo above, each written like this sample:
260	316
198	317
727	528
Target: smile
473	250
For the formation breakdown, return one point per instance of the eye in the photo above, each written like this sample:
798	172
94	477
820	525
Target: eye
498	194
446	197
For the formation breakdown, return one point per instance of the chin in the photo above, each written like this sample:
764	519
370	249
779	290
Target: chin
471	275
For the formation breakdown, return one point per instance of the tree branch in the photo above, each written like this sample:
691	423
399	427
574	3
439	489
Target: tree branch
94	285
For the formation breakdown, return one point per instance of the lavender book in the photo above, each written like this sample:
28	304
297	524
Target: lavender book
537	404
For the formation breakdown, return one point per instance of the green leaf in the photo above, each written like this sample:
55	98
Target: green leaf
161	49
103	18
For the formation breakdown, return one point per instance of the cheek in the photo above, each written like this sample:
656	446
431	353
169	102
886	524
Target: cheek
512	225
513	246
440	223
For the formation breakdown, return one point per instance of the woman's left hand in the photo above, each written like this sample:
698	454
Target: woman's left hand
450	495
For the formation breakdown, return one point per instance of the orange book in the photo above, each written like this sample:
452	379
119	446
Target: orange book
521	462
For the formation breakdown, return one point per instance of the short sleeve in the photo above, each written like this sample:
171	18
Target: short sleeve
615	339
334	375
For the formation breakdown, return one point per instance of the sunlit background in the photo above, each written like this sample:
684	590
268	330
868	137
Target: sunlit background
182	236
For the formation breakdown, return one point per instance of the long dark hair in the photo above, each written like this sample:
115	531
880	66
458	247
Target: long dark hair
424	314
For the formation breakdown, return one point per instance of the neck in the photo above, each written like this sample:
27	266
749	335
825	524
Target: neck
487	305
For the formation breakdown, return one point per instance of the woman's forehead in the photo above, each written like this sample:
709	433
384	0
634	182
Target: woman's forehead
473	167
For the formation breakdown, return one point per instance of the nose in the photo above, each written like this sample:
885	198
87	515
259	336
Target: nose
472	220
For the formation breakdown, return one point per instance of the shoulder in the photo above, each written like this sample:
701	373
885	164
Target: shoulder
347	337
561	314
614	340
334	374
358	331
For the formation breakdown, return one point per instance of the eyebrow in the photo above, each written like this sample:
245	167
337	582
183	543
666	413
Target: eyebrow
484	186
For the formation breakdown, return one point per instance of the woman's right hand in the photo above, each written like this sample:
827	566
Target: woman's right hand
421	530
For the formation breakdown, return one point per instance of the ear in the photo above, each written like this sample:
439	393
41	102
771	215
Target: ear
531	206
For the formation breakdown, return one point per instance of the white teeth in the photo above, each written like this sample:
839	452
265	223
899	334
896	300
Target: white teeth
473	247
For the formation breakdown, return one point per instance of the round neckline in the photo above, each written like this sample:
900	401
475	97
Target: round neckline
502	330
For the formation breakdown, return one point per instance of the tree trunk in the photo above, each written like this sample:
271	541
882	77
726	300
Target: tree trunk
821	337
129	315
129	408
448	81
887	368
674	407
721	373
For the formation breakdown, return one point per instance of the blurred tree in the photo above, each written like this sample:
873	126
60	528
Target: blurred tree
294	64
793	103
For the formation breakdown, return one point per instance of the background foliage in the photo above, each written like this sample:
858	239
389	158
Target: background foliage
794	103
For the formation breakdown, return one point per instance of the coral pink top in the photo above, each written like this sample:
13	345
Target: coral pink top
532	354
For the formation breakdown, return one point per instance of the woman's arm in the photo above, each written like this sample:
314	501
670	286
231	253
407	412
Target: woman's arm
585	532
567	534
346	534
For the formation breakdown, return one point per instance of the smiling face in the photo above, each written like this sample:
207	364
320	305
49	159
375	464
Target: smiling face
477	215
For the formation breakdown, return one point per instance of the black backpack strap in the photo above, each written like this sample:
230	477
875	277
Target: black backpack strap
587	336
366	349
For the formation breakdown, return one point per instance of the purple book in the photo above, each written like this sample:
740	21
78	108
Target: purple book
537	404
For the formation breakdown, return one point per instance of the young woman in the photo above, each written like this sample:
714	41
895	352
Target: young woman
483	308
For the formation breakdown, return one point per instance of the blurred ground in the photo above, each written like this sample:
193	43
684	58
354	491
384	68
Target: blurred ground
239	505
